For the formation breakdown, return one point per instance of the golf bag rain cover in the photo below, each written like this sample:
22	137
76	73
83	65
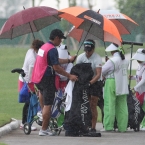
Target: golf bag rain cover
135	112
79	117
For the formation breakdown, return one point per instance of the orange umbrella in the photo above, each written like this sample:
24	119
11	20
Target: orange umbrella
80	35
92	22
124	23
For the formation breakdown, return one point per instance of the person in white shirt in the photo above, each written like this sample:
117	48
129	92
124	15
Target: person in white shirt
115	90
139	88
61	81
27	67
95	87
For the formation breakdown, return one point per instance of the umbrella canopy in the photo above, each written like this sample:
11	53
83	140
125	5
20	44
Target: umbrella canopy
92	22
28	21
80	35
124	23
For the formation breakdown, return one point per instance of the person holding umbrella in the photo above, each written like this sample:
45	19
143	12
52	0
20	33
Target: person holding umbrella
95	85
47	63
114	72
139	88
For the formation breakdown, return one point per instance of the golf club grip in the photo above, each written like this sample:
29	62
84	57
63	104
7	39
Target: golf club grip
132	43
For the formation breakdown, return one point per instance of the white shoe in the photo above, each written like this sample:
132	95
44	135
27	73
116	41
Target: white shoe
46	132
33	128
21	126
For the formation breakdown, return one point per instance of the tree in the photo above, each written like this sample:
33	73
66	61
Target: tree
135	10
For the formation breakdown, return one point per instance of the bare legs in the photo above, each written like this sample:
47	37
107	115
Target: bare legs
46	116
93	104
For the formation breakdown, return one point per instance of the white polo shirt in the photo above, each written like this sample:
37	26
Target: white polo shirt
94	59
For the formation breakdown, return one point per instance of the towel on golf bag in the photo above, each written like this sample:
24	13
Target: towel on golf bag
79	117
135	112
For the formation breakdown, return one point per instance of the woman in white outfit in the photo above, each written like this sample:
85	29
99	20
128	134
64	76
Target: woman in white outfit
27	67
139	88
116	89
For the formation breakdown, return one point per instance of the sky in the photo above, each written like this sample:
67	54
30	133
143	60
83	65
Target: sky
101	4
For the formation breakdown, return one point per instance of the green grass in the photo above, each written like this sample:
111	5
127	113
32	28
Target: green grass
4	119
2	143
11	58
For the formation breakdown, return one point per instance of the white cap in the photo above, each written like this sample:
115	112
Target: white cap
62	52
111	47
139	55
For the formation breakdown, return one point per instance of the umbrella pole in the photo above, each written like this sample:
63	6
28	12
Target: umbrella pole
131	51
30	27
106	56
83	40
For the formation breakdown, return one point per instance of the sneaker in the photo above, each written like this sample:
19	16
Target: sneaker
21	126
45	132
33	128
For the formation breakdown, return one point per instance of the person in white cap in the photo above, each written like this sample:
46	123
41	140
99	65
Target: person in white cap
139	88
115	90
61	81
95	85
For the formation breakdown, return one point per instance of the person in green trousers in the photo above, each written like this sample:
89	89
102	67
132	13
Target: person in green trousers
115	93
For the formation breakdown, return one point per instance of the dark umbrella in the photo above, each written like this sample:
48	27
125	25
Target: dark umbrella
28	21
92	22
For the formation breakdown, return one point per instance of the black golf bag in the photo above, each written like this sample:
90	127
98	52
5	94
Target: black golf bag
78	118
135	112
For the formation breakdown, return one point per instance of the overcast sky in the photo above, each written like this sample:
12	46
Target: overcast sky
101	4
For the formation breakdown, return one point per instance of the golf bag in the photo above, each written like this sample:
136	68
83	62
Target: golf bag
78	118
135	112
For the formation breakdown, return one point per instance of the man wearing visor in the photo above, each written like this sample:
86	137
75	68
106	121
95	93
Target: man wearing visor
95	85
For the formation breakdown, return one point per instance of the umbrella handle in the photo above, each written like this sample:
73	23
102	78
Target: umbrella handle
84	40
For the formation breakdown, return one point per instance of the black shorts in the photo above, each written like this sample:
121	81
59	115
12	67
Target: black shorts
47	89
96	89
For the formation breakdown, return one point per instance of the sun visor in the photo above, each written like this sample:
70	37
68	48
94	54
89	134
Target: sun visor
139	55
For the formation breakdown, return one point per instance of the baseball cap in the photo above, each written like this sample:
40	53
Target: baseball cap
57	32
88	46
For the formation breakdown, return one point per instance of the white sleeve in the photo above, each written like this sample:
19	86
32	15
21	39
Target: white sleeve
68	69
98	62
141	82
107	68
78	60
30	72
